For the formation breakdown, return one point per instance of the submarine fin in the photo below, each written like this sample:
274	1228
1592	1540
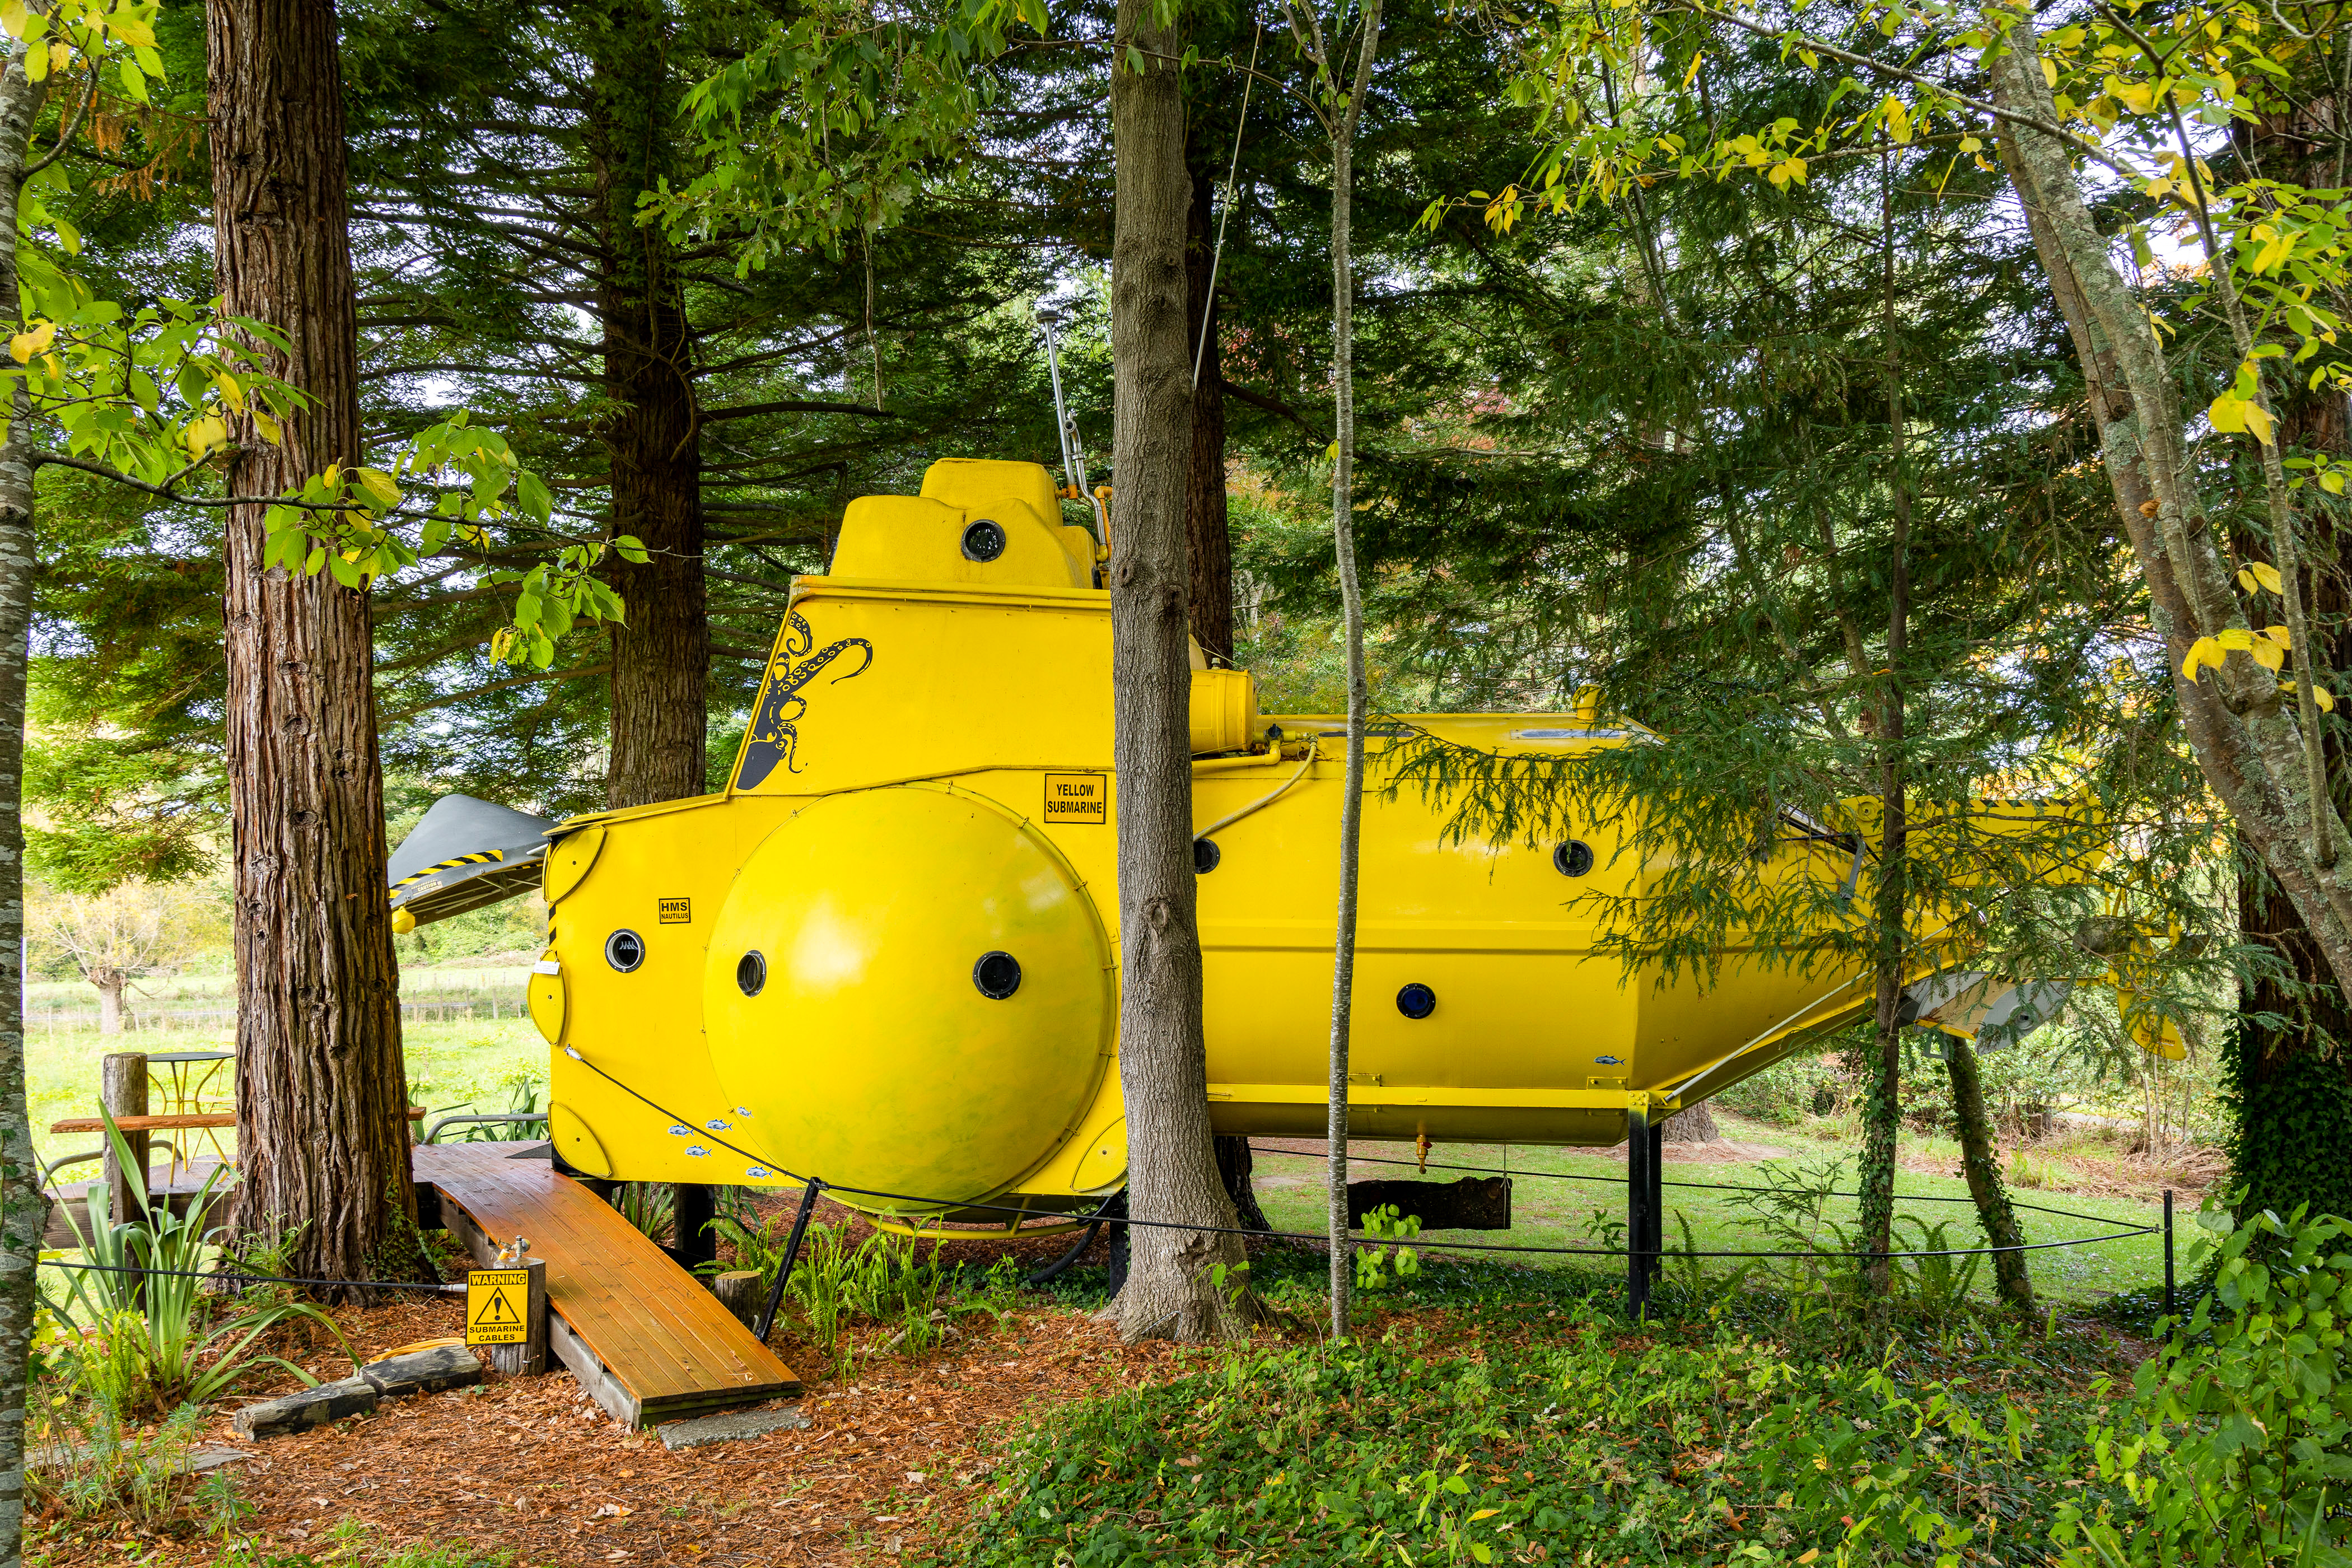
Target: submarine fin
465	854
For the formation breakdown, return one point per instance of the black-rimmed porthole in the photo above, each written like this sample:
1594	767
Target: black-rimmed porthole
1416	1001
625	950
1205	856
750	973
997	975
1573	858
984	541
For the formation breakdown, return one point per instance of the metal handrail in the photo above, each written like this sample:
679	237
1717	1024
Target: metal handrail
433	1133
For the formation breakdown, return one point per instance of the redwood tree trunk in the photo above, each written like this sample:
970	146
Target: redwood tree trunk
661	654
1207	528
22	1208
320	1091
1171	1289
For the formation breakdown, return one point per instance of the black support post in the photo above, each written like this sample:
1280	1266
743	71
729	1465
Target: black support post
2169	1309
691	1211
1641	1154
1655	1204
792	1253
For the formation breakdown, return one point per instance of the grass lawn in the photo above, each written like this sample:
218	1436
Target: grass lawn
1562	1198
1556	1192
463	1065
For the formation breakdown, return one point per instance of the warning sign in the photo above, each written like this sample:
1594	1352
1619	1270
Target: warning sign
1078	797
675	911
495	1300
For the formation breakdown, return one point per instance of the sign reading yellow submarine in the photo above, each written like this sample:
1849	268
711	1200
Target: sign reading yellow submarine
904	978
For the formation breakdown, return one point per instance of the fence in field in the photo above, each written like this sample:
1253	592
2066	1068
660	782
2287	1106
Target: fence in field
487	995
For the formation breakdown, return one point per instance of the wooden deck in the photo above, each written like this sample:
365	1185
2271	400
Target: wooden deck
639	1332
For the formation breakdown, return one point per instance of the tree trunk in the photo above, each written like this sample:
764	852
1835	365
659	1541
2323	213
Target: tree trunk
321	1091
2289	1076
2248	744
109	984
1207	534
1696	1125
661	653
1980	1163
1352	604
1207	528
23	1210
1172	1288
1881	1105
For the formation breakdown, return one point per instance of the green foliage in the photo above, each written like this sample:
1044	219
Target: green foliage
651	1206
2290	1117
1382	1267
88	1463
2235	1444
1659	1449
142	1340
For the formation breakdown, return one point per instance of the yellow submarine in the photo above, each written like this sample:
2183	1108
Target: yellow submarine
885	955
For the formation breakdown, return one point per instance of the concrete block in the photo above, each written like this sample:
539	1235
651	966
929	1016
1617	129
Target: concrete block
424	1372
730	1426
310	1407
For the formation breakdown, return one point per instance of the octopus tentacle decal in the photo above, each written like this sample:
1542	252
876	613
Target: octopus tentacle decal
773	729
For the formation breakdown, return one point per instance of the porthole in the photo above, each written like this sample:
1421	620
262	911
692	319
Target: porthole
1416	1001
1205	856
984	541
625	950
1573	858
752	973
997	974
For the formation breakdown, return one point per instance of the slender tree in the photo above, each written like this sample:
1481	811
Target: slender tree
321	1091
23	1209
1340	104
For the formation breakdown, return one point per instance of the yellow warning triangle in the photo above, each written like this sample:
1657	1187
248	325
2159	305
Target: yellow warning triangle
497	1312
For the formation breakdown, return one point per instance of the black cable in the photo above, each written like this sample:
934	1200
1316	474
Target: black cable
227	1278
1354	1158
1306	1236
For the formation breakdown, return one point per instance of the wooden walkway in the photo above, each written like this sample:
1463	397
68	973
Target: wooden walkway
639	1332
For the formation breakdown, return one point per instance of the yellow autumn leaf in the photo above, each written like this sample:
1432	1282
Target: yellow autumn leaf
1485	1513
267	426
203	435
379	487
2201	652
2271	656
2319	694
230	391
2265	574
25	345
2232	413
2234	637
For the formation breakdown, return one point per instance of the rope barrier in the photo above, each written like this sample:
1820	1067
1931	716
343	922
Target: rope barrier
817	1184
226	1278
813	1185
1690	1186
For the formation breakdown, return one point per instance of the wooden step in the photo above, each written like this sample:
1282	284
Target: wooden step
640	1333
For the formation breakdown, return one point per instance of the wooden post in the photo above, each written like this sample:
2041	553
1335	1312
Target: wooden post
528	1358
738	1291
122	1090
692	1208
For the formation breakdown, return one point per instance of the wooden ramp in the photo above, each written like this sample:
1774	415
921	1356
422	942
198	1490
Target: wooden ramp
639	1332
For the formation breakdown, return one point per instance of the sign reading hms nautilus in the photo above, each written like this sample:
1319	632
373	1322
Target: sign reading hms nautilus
1078	797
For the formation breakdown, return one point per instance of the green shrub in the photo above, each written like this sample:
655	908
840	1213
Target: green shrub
2236	1444
1604	1447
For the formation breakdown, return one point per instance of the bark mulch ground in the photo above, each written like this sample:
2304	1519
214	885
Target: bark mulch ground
897	1448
